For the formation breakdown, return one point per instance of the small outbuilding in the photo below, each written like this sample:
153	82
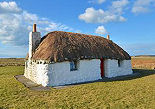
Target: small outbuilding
61	58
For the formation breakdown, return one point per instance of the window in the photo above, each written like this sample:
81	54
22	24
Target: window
26	64
119	63
73	65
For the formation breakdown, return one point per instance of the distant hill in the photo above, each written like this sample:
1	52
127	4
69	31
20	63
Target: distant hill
145	56
11	62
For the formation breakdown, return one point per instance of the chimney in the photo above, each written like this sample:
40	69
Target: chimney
108	37
34	28
34	40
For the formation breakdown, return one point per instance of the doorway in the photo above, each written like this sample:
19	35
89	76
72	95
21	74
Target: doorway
102	67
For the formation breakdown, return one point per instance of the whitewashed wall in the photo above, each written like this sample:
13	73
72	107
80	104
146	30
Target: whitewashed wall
60	73
38	73
112	69
42	74
88	70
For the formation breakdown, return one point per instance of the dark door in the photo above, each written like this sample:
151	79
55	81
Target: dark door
102	67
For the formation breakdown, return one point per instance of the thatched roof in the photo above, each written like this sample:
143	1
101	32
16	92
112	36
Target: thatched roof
61	46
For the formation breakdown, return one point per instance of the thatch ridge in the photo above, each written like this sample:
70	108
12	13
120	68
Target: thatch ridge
61	46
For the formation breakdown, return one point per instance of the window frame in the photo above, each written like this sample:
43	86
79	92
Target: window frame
74	65
120	63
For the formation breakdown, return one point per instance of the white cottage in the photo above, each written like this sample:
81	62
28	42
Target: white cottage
61	58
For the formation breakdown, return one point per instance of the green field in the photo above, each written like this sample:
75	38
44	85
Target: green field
130	93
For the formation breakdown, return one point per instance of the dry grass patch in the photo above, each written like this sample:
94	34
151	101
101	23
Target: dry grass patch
143	62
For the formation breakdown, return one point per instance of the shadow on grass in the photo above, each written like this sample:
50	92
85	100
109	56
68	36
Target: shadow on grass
137	73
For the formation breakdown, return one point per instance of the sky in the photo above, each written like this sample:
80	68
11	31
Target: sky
130	23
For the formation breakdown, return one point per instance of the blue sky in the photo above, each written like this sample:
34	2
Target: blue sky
130	23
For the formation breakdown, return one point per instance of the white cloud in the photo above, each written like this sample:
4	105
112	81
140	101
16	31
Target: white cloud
16	23
100	16
101	30
118	6
112	14
9	7
142	6
138	48
139	9
97	1
101	1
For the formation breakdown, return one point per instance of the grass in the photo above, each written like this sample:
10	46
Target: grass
131	93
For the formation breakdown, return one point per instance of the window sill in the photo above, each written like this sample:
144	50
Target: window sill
74	70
